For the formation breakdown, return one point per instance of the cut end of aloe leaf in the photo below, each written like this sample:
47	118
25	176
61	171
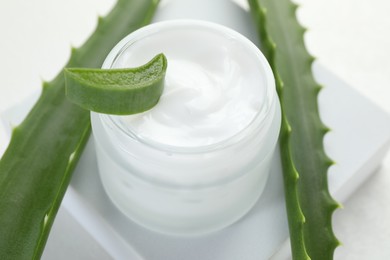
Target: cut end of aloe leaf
117	91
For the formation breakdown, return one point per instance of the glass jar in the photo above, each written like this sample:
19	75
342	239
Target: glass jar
179	189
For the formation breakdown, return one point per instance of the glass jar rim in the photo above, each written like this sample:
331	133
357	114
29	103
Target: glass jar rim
254	125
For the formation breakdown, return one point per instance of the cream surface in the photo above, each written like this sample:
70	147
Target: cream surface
213	88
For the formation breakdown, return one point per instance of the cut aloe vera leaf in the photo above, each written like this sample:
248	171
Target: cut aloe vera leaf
35	169
305	164
117	91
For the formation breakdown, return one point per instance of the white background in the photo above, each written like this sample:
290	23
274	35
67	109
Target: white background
351	37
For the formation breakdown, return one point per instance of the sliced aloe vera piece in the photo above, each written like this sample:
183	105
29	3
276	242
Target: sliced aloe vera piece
35	169
117	91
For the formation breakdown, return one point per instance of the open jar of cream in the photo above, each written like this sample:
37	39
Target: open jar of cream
199	160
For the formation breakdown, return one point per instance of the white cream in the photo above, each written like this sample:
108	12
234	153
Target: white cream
212	90
198	160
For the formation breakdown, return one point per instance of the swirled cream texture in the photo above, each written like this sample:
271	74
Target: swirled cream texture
213	89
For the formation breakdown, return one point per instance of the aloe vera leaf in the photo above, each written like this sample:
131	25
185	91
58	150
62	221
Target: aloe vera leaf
296	218
305	164
36	167
117	91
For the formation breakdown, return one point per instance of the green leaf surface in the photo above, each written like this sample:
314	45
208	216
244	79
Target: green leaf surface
117	91
305	164
36	168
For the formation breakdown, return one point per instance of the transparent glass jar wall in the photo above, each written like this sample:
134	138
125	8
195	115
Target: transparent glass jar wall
177	189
